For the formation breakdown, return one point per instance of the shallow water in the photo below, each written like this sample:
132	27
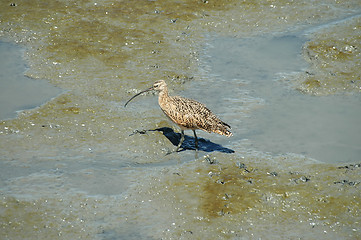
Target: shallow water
81	166
18	92
323	128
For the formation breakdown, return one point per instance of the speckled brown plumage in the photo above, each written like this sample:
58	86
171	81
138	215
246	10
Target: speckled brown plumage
187	113
190	114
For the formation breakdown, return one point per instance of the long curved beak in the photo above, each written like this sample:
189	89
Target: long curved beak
136	95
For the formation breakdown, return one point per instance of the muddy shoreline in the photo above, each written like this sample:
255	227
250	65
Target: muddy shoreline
73	168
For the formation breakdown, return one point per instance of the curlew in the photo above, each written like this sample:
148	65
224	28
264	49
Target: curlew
187	113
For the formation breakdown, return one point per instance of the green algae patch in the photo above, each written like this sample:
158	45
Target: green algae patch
246	197
335	58
104	52
230	190
44	218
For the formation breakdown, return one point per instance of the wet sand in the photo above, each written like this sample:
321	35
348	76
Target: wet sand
82	166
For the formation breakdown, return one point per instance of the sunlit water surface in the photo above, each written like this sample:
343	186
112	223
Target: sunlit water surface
18	92
287	121
82	166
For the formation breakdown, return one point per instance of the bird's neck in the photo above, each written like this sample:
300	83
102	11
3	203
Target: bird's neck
163	96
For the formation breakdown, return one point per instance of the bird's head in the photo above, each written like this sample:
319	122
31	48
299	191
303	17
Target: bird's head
159	86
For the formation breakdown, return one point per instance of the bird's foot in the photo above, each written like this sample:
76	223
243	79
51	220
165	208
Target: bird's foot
175	151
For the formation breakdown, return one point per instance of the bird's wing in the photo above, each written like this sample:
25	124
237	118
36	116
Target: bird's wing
191	114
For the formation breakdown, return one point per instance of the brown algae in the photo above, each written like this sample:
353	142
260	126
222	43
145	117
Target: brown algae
104	51
335	58
222	199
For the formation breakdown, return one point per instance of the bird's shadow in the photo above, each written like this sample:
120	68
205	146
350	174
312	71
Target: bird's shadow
188	143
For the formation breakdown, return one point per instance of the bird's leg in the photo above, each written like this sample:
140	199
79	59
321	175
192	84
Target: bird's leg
181	140
195	139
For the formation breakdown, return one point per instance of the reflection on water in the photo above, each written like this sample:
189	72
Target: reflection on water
323	128
18	92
